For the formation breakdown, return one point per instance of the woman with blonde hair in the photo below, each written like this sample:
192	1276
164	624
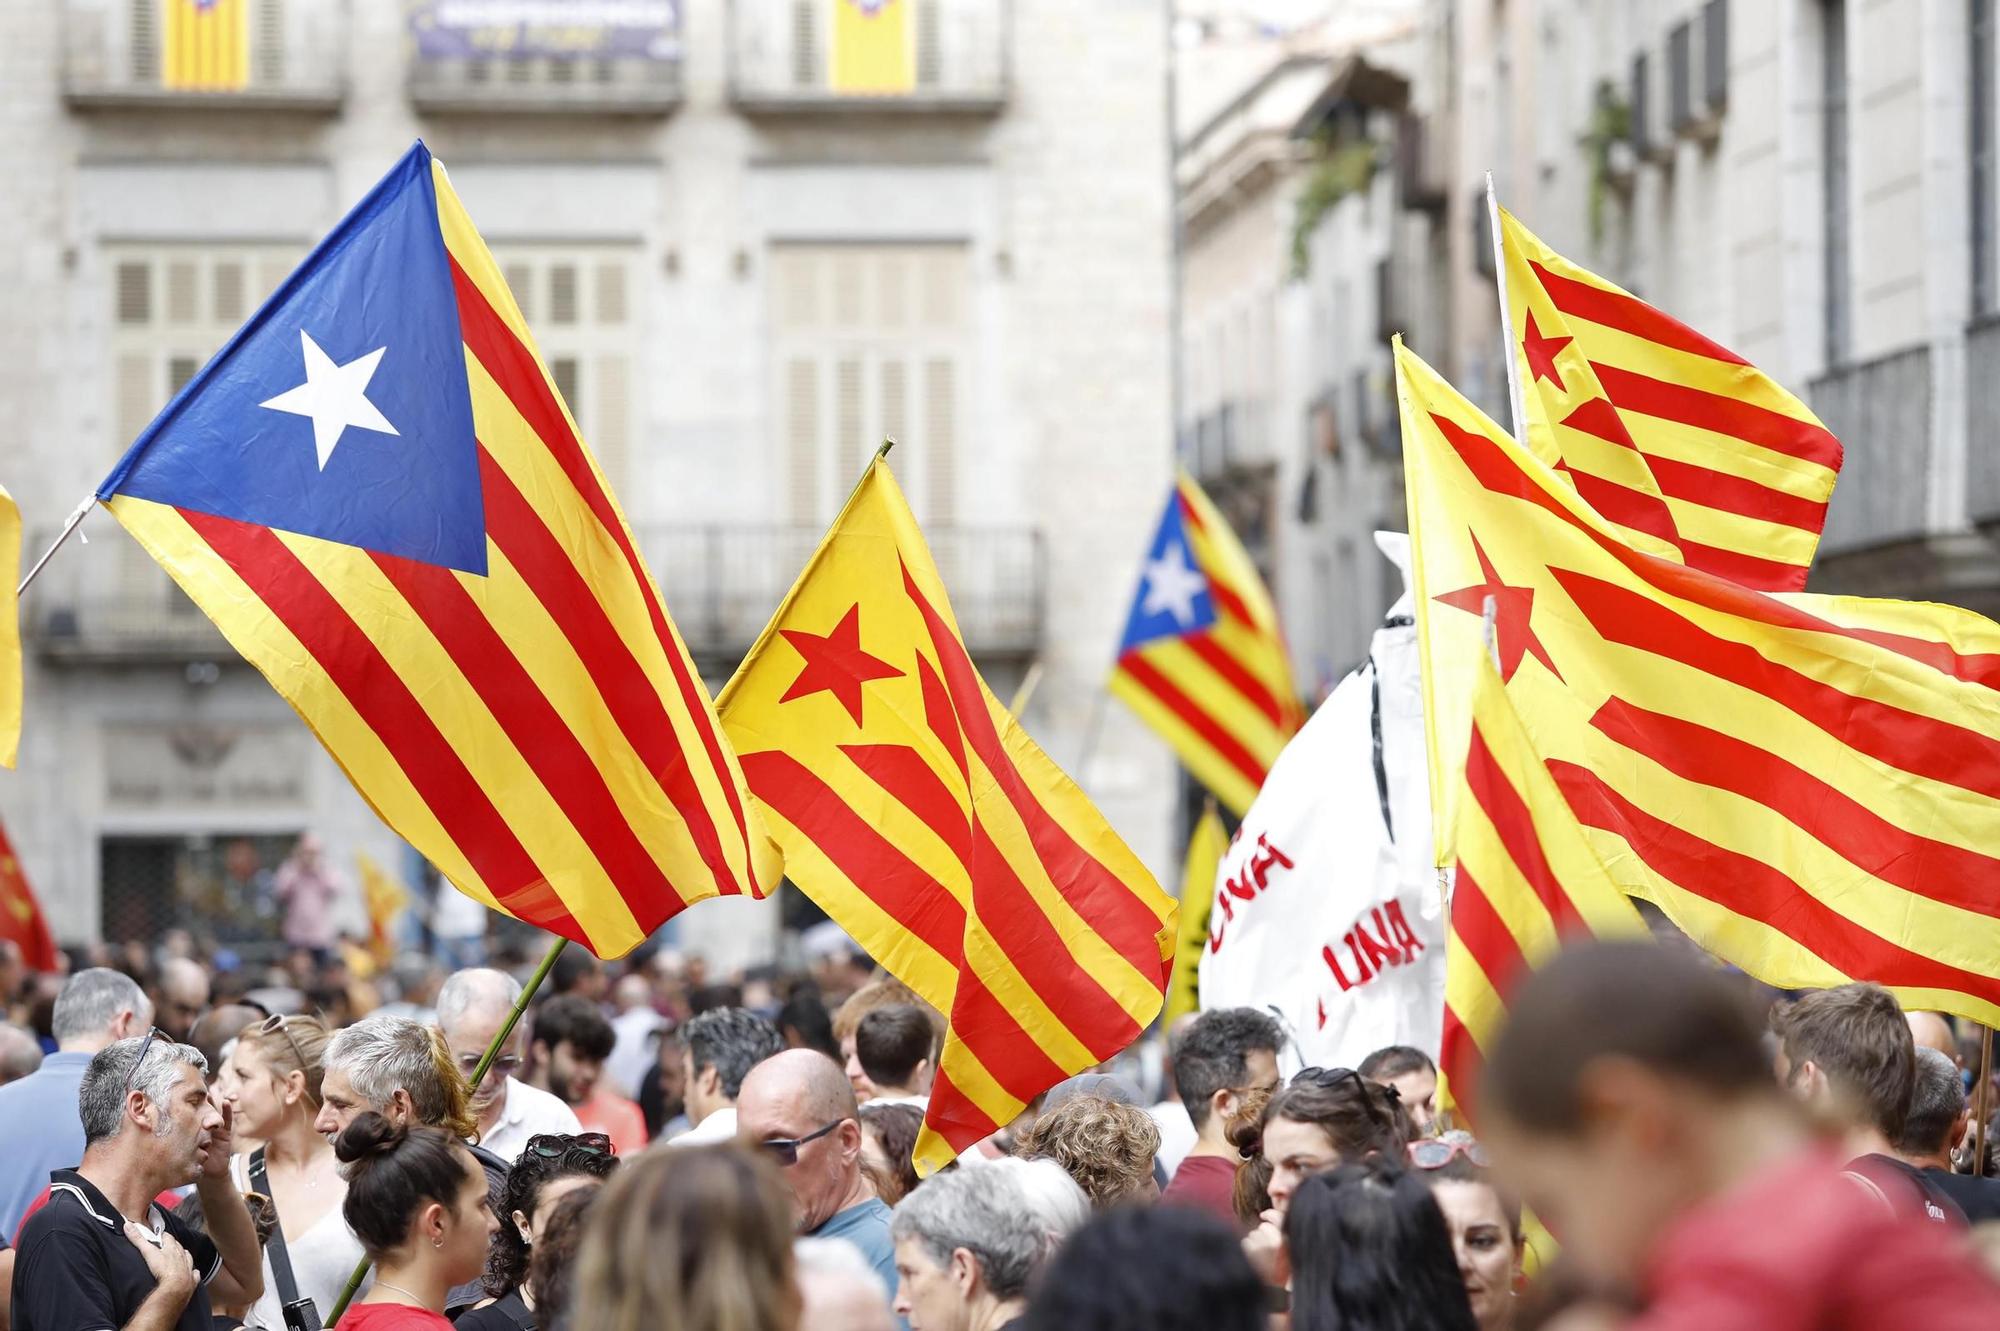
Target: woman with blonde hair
698	1238
1107	1147
274	1092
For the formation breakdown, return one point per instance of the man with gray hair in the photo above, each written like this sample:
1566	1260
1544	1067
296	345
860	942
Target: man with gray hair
38	1114
970	1243
1936	1123
102	1252
471	1008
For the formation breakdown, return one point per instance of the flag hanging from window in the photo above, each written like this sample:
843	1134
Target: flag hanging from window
1202	661
873	48
376	492
206	46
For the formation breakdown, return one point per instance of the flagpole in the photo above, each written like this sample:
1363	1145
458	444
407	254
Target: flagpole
75	517
1514	401
1979	1122
1029	683
472	1084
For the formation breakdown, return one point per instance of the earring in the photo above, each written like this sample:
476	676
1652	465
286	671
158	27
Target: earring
438	1242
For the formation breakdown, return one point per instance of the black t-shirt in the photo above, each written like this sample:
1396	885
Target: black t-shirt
506	1313
1979	1198
76	1271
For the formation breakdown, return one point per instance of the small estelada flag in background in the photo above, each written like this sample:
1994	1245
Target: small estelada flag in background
21	918
1204	852
386	899
873	48
10	629
1202	661
206	46
1527	882
377	494
1692	452
914	809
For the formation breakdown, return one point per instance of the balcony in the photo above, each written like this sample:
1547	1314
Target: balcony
1881	412
115	56
723	583
114	630
780	59
629	63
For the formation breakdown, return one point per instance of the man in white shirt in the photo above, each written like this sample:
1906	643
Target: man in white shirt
471	1008
722	1045
896	1046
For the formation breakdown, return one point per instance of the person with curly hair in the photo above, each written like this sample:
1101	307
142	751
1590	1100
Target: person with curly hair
1106	1146
551	1167
557	1245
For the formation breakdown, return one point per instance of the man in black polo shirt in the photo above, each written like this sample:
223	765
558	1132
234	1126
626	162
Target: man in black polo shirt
101	1256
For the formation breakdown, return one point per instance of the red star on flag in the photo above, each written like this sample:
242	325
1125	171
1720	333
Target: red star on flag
836	664
1541	352
1512	616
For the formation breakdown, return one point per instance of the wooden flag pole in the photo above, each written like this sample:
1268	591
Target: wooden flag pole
1979	1100
472	1084
75	517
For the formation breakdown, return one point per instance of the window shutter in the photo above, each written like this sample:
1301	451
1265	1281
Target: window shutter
135	292
521	281
182	277
895	401
136	397
802	438
941	439
271	270
229	307
797	279
144	27
611	293
267	43
611	420
562	294
563	370
944	275
892	285
805	44
847	279
930	43
180	369
849	437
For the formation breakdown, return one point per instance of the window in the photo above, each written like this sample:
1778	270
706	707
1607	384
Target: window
1833	178
1715	55
1641	105
578	302
868	343
1979	195
1680	75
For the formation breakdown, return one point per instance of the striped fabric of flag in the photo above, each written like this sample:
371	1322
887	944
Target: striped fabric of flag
376	492
206	46
919	815
1202	661
1691	451
1206	845
1808	786
872	52
1527	882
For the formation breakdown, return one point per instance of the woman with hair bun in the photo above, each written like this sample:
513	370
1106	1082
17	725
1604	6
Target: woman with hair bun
416	1198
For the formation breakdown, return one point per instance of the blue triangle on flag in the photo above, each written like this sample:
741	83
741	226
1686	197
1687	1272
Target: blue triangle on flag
1173	599
341	409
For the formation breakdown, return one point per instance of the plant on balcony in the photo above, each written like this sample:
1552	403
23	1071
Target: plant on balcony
1339	168
1607	143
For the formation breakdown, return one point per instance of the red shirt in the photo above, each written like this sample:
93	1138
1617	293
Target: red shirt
615	1117
389	1317
1801	1248
1207	1182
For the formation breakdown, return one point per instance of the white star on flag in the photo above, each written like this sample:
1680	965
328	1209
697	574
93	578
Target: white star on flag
1172	585
334	396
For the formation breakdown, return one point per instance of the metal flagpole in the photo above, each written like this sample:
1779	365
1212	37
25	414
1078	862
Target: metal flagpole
1979	1121
472	1084
75	517
1514	402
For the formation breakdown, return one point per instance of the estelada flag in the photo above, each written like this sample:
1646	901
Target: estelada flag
1808	786
1204	852
918	814
21	917
1202	661
1692	451
376	492
10	629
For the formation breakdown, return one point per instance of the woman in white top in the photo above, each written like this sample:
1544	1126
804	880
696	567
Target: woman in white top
274	1090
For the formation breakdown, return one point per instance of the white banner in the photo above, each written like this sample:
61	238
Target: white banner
1323	915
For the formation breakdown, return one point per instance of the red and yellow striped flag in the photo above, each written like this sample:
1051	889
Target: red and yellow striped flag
1692	452
872	51
1527	882
378	495
10	629
1809	787
1202	661
207	45
914	809
21	918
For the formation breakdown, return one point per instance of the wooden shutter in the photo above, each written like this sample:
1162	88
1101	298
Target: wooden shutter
850	442
144	27
802	438
521	281
611	419
183	276
941	440
135	292
267	43
229	303
562	294
610	293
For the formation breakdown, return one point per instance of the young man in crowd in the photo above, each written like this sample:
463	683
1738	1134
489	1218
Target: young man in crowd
102	1253
571	1040
1629	1099
1225	1055
39	1121
1939	1113
798	1107
895	1047
877	993
1848	1054
1414	1077
721	1046
472	1006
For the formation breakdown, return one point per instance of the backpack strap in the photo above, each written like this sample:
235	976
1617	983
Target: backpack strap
281	1260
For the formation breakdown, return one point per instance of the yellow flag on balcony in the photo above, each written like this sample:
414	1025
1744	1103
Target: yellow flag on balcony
873	48
207	46
10	631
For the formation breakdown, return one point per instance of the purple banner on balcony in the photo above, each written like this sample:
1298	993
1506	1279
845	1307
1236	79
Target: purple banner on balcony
559	29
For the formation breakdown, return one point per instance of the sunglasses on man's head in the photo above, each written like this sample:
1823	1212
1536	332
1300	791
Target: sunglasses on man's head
554	1145
785	1150
144	1046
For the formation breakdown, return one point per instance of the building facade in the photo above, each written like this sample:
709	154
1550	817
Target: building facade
741	276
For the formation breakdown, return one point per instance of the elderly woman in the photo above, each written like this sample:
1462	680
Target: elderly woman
1106	1146
970	1243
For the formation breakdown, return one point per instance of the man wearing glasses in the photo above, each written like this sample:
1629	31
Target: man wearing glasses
102	1253
471	1008
799	1107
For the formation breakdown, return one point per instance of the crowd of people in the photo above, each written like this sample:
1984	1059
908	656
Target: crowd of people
1662	1146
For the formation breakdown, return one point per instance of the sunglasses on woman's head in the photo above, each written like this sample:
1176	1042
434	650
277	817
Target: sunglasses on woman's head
275	1024
1437	1152
1328	1078
551	1145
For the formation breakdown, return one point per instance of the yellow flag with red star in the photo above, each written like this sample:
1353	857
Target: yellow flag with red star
915	810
